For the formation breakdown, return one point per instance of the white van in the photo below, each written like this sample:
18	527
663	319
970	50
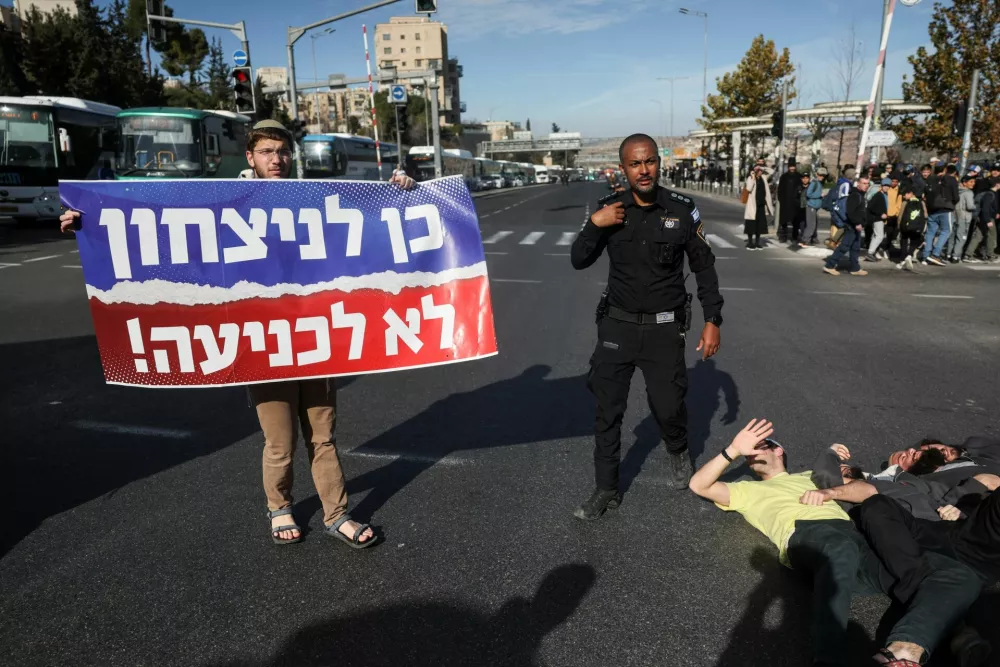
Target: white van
541	174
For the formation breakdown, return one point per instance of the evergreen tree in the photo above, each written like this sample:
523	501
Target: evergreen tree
555	128
220	88
964	37
527	125
13	81
269	107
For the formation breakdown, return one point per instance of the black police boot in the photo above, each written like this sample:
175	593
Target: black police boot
681	469
598	502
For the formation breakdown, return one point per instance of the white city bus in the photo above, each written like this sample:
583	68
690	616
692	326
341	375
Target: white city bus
45	139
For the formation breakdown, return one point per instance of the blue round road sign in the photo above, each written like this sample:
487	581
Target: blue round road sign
397	93
240	58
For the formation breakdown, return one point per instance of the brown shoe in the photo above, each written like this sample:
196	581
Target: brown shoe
859	272
832	272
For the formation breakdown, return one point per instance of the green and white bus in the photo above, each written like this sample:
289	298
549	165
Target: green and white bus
168	142
44	139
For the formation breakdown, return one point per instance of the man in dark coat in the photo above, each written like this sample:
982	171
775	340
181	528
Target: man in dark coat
789	190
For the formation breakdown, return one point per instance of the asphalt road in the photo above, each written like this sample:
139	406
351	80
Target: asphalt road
136	534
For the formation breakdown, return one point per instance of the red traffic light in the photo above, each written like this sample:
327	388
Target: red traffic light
241	76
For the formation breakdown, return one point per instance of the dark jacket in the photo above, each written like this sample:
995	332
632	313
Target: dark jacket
877	207
855	207
789	186
943	193
988	209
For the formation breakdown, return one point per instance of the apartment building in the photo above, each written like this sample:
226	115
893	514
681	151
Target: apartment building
412	44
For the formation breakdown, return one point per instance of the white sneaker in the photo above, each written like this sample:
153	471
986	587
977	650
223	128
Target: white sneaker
900	265
909	263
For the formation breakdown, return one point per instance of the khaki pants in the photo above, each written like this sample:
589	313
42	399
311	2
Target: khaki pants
313	405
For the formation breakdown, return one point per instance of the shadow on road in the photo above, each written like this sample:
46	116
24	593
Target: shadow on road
756	641
707	387
69	438
523	409
567	207
432	634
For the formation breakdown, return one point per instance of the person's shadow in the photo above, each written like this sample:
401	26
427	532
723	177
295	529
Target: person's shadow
434	634
707	387
523	409
753	642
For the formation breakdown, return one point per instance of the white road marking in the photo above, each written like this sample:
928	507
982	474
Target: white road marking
514	280
566	238
717	240
792	259
380	456
72	266
839	293
717	257
738	289
984	268
496	238
496	253
557	254
39	259
532	238
74	252
7	265
126	429
941	296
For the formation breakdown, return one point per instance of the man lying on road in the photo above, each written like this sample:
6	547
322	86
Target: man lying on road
822	540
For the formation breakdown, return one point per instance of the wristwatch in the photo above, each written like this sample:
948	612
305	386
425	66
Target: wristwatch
715	319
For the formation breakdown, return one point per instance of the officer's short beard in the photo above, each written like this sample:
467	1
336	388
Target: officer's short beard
644	190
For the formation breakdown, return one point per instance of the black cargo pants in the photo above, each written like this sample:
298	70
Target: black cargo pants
658	351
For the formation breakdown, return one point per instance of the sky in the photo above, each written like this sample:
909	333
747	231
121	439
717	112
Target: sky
589	65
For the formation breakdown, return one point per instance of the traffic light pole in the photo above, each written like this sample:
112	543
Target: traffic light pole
238	29
399	139
970	114
294	34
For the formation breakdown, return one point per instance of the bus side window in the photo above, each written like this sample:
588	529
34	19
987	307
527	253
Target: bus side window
212	144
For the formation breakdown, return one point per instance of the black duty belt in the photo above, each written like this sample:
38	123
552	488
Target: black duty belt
644	318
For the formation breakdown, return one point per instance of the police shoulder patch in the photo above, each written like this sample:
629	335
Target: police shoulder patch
701	234
687	201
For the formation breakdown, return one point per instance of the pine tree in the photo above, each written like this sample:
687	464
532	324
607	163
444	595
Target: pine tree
49	51
964	36
555	128
754	89
527	126
13	80
220	88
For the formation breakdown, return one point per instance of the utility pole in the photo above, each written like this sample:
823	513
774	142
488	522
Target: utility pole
704	76
969	116
671	79
779	150
314	37
432	87
294	35
877	112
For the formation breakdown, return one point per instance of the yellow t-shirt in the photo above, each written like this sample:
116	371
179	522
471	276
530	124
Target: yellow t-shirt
772	506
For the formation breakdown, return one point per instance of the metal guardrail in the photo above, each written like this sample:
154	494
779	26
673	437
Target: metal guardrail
710	187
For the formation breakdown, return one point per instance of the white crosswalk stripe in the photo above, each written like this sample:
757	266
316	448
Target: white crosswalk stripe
532	238
566	238
496	238
718	241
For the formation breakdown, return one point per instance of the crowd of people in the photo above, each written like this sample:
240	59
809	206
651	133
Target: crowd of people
932	215
925	531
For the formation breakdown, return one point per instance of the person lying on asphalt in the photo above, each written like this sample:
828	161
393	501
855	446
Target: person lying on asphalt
822	541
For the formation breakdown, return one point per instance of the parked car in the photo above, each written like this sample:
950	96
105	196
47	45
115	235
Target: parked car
517	181
498	181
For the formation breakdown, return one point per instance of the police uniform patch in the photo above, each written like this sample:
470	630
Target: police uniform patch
670	223
701	234
695	215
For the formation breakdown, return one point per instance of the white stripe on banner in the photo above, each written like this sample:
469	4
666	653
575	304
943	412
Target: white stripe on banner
532	238
496	238
717	240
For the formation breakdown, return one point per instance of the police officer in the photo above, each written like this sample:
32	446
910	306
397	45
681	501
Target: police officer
646	230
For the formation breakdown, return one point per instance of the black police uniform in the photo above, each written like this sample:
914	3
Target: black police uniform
644	323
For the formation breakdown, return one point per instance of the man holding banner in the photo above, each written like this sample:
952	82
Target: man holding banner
282	406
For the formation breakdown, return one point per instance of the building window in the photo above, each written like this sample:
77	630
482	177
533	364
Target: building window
403	64
387	50
418	49
402	36
386	36
403	50
418	63
417	36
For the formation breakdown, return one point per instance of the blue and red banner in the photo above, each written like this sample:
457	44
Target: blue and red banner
221	282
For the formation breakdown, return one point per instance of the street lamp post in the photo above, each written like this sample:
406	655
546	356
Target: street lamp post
704	79
661	119
671	79
314	37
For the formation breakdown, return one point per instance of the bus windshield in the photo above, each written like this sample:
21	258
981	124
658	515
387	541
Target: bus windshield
319	159
158	144
26	138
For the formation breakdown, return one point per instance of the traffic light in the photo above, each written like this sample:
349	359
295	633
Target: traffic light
298	130
427	6
959	118
777	123
157	30
402	122
243	90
